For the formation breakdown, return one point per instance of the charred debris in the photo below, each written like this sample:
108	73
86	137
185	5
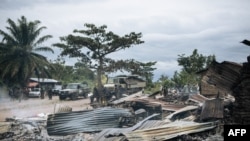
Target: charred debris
223	98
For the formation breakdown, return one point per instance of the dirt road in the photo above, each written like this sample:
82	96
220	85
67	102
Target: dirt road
34	106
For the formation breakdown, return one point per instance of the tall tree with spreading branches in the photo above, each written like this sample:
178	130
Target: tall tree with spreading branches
93	44
144	70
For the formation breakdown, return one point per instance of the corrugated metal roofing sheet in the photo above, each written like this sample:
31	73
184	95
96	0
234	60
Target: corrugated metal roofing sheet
200	99
148	101
165	105
153	130
117	134
44	80
184	109
85	121
130	97
169	131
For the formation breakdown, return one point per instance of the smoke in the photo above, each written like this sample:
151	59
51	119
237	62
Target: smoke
3	94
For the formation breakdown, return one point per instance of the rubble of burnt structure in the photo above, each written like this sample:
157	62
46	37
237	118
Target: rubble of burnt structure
241	110
223	98
157	119
134	117
229	81
219	78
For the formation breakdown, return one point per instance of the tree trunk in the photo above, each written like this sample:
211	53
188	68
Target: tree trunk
99	78
102	99
99	73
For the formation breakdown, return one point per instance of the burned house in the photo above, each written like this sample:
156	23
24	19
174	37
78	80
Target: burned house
229	78
141	116
219	78
241	110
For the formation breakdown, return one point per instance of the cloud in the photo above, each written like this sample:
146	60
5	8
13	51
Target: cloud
166	68
169	27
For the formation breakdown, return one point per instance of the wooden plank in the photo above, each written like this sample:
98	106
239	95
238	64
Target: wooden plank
212	109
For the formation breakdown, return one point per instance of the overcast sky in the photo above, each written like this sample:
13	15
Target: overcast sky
169	27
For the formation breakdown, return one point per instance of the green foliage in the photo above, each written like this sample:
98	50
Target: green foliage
144	70
147	72
82	71
164	81
194	62
94	43
60	70
69	74
191	64
183	78
177	79
18	52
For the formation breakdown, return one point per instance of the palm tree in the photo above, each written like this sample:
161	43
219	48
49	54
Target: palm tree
19	58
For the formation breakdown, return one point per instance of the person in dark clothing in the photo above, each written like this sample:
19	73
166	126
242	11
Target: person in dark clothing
20	94
95	95
117	92
50	93
42	93
11	94
106	93
165	91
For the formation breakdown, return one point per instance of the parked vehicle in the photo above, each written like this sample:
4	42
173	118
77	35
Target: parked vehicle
56	89
74	90
125	84
35	92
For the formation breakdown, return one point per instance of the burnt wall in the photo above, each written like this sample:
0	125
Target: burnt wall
220	78
241	107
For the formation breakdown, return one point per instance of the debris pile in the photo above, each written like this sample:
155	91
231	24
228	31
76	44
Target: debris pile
174	121
139	116
135	117
87	121
31	129
24	129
